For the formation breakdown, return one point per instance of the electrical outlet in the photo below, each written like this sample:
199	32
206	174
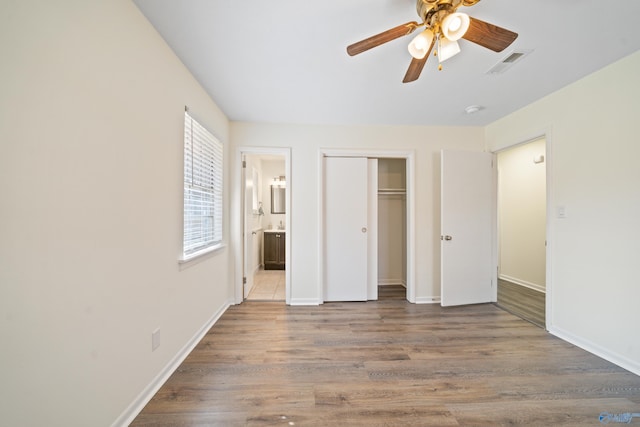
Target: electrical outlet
155	339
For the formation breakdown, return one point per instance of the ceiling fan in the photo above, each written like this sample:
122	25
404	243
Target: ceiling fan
444	26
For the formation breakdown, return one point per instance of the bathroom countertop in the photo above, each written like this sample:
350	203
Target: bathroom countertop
275	230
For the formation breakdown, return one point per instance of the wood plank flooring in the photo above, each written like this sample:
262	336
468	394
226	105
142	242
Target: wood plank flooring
386	363
524	302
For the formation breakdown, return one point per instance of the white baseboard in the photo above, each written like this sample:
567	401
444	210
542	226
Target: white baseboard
530	285
387	282
428	300
152	388
599	351
305	301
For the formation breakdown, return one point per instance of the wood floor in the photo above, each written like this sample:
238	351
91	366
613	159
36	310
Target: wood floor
524	302
388	363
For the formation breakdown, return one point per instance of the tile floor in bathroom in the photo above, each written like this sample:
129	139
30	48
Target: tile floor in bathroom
268	285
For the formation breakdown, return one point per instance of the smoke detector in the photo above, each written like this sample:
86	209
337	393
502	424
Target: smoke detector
472	109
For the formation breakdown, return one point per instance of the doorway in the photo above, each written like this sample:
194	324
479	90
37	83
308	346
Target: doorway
265	184
392	227
522	223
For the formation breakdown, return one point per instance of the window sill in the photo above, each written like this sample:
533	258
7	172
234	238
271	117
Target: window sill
201	253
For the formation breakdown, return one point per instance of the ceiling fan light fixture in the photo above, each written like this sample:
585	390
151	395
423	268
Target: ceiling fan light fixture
447	48
420	44
455	25
441	27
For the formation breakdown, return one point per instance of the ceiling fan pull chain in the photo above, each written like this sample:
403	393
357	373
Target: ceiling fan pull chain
437	51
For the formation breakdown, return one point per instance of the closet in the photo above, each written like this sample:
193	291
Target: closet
365	231
392	222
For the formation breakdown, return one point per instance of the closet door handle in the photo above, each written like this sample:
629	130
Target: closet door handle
364	229
446	238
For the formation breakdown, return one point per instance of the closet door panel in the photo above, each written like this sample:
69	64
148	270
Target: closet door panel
345	228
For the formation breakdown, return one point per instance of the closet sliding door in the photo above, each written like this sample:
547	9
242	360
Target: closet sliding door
348	233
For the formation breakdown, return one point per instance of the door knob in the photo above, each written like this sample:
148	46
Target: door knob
364	229
446	237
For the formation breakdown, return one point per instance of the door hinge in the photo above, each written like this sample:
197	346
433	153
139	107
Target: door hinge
244	163
244	280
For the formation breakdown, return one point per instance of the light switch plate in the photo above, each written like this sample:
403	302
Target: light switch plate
561	212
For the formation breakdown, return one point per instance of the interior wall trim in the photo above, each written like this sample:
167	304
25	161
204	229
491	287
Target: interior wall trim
305	301
428	300
530	285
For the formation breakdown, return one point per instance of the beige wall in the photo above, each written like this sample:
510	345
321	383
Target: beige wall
522	214
305	143
592	145
91	125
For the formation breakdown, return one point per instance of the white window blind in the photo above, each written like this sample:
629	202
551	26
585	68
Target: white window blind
202	189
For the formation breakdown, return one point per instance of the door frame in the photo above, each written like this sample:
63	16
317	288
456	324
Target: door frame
531	137
409	156
238	220
246	249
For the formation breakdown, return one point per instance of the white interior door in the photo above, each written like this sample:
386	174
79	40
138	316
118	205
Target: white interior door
247	253
345	228
467	227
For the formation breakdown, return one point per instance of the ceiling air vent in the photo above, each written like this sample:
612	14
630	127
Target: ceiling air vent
508	61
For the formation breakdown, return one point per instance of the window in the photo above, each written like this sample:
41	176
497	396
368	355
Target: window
202	190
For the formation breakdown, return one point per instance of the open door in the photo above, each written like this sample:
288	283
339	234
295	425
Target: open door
467	213
247	200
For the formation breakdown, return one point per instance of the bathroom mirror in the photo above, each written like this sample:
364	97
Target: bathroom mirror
278	196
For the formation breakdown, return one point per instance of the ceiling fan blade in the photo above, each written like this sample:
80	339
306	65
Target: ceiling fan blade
416	66
378	39
489	35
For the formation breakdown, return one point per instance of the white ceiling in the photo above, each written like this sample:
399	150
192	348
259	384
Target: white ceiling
285	61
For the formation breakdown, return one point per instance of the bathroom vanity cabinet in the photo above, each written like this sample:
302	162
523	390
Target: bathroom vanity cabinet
274	250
